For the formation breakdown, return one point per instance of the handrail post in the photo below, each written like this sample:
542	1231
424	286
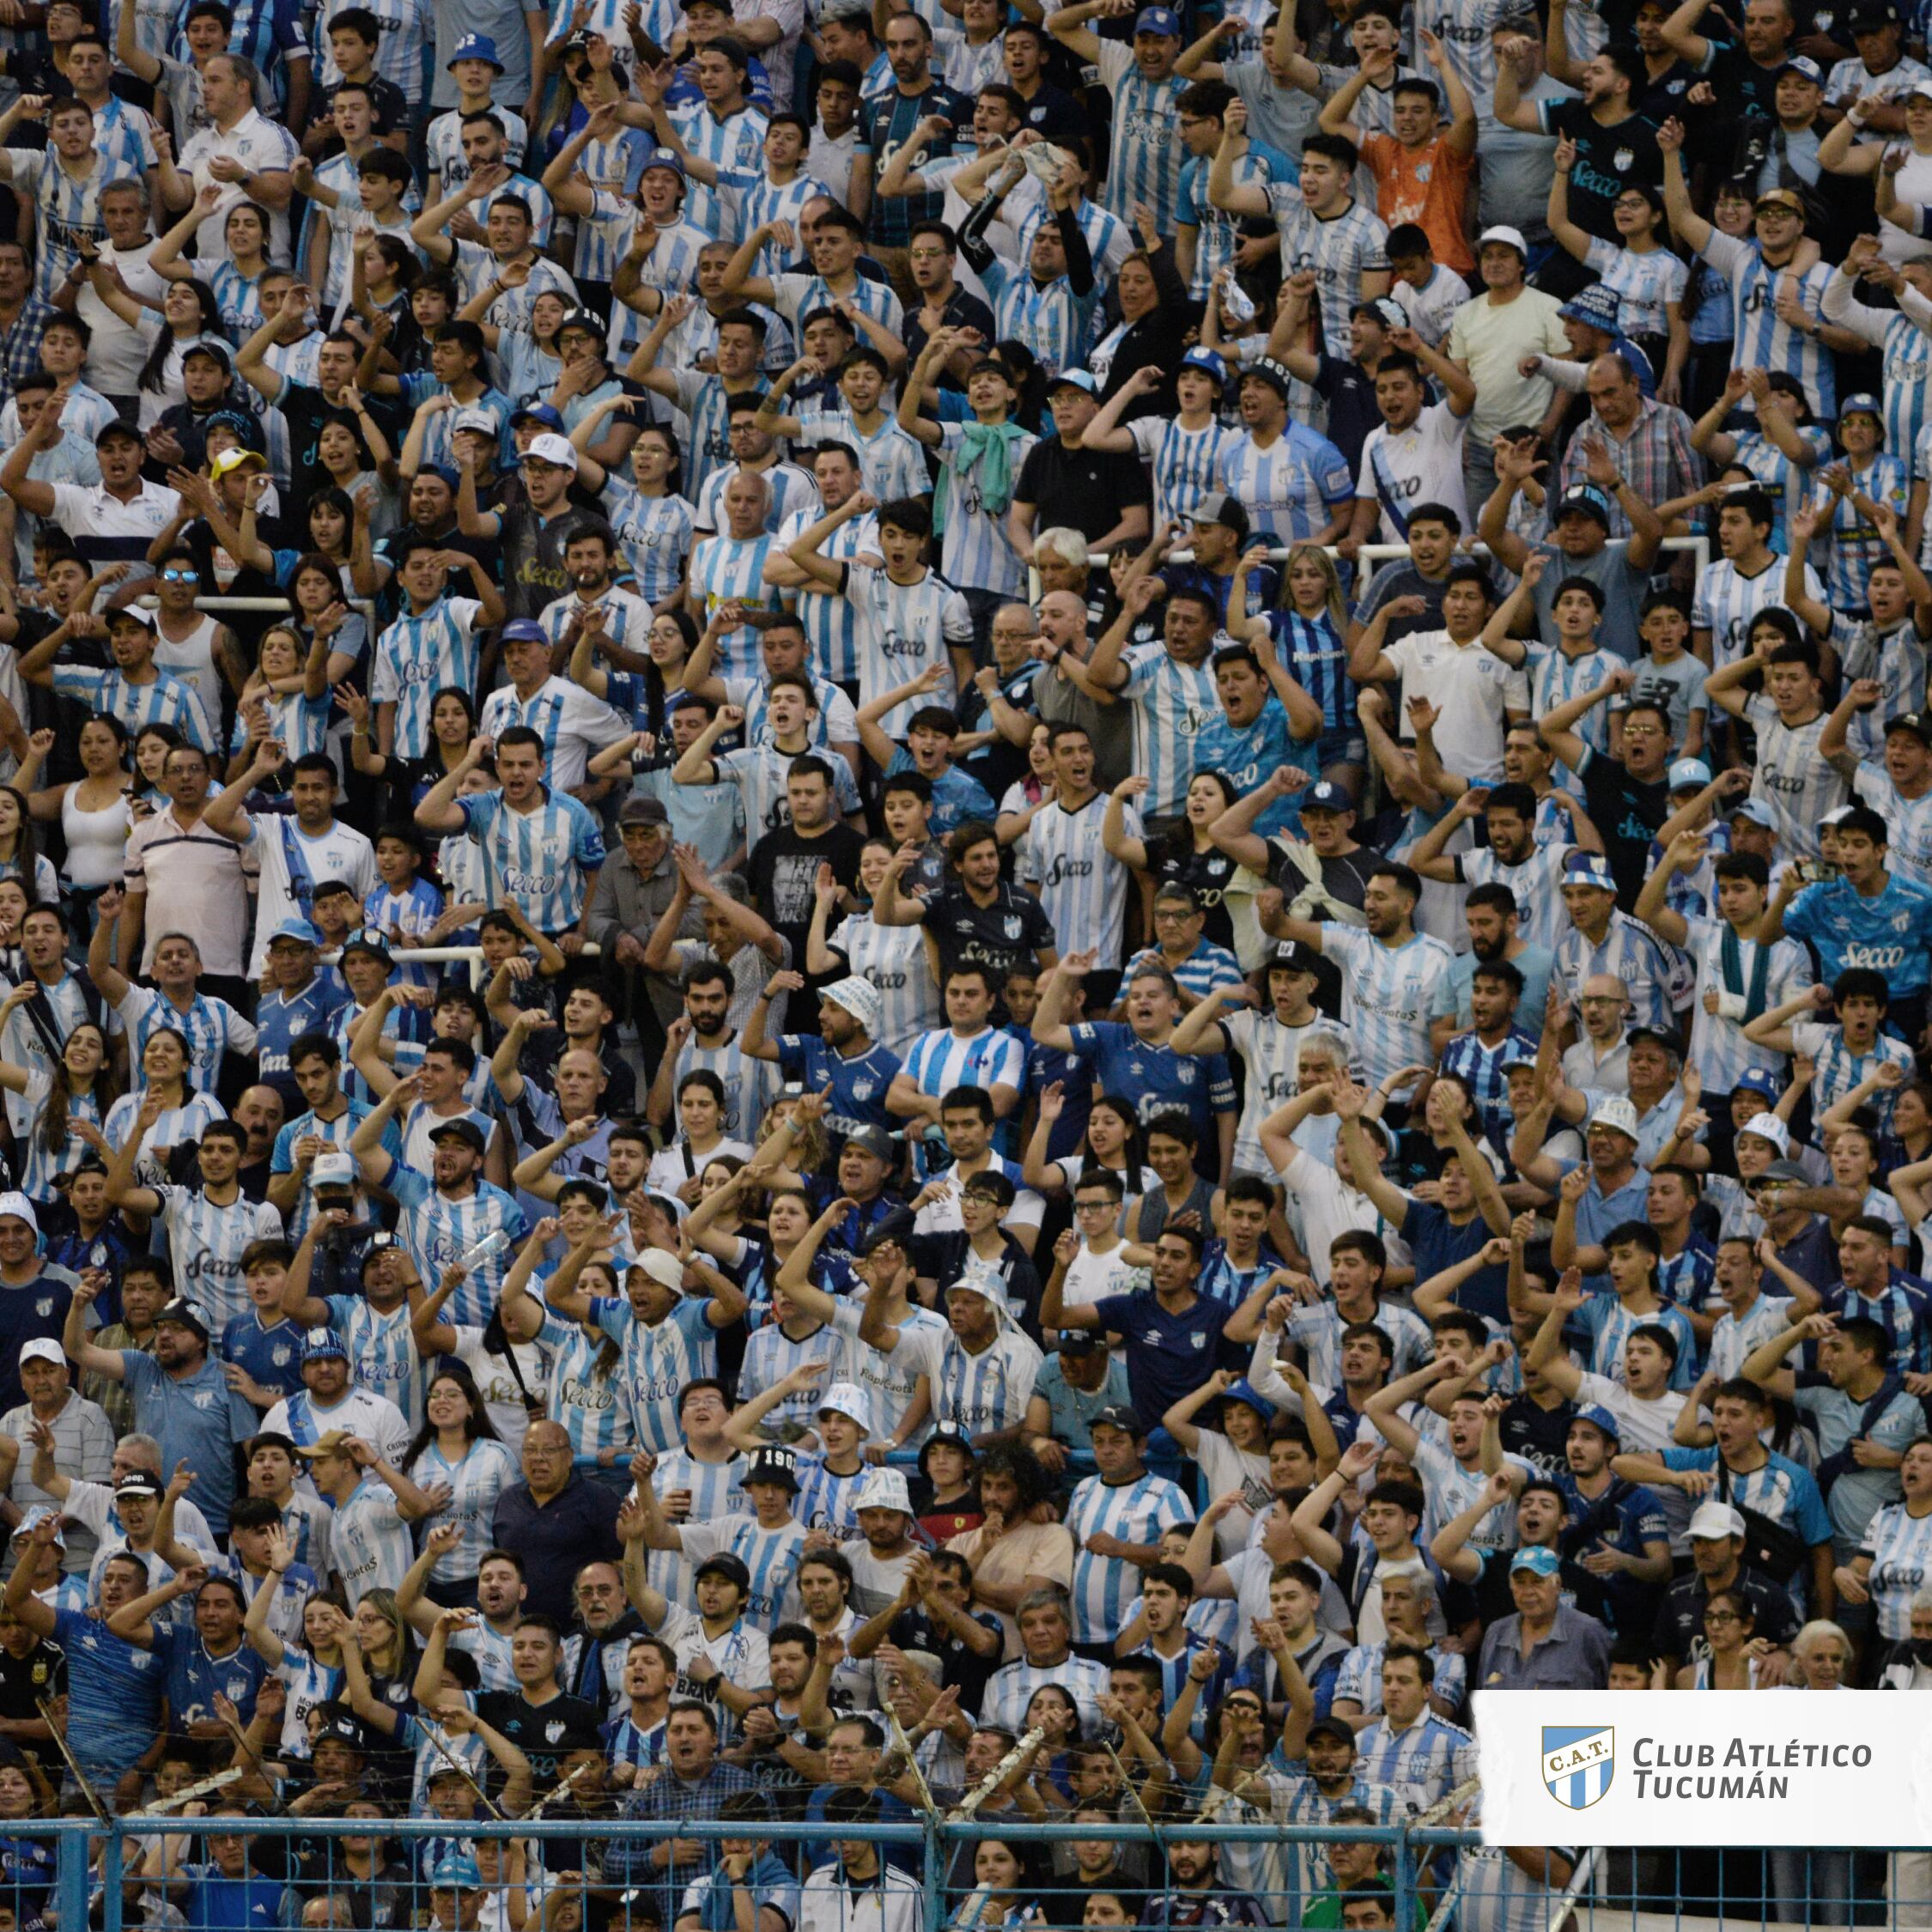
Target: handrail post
935	1896
1405	1881
70	1875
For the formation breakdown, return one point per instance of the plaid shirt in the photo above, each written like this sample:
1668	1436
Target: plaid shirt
20	344
1656	457
668	1799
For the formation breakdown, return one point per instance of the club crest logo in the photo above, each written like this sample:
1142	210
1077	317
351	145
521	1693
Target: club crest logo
1578	1763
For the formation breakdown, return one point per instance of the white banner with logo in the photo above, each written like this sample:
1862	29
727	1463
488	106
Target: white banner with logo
1715	1768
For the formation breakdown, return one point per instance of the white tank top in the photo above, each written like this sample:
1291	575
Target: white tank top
96	841
1913	182
192	659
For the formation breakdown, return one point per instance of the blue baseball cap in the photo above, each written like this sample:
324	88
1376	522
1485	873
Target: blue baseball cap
537	412
1864	404
1538	1561
1589	868
455	1871
1158	20
319	1344
1596	307
1759	1080
1598	1417
523	630
665	158
474	46
298	930
1209	362
1327	796
1688	772
1805	68
1076	379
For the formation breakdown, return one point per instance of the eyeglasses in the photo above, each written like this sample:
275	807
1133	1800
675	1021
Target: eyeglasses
180	576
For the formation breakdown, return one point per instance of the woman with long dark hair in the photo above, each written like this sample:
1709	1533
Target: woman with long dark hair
92	811
77	1092
453	724
457	1446
510	1368
1185	856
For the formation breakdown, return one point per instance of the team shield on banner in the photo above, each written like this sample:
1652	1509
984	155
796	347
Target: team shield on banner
1727	1768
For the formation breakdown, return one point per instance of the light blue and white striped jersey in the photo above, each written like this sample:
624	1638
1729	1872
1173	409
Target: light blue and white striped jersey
1896	660
588	1392
1762	340
490	1647
656	532
830	618
706	404
403	54
670	265
1318	1326
659	1359
761	773
176	1124
890	463
1901	339
1856	546
941	1060
734	144
341	176
411	912
1643	284
1421	1764
724	569
1011	1688
1218	233
1840	1070
1082	887
415	657
1537	883
796	296
570	721
613	168
748	1083
1313	654
890	1380
1726	601
1293	488
206	1242
828	1500
545	858
1136	1512
1049	318
369	1541
68	206
1185	464
1144	163
770	1355
164	699
449	167
717	1500
211	1026
1908	820
1791	777
1632	954
438	1228
1719	1050
985	1393
383	1357
1359	1678
907	629
1173	703
975	553
789	490
475	1480
755	200
1900	1546
1555	677
1339	251
1388	994
771	1555
893	960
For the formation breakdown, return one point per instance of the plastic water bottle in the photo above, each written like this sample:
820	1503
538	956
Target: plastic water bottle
487	1249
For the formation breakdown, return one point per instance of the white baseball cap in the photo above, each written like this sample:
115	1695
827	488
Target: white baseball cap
550	447
41	1350
1615	1112
1503	232
859	997
1768	1127
1711	1520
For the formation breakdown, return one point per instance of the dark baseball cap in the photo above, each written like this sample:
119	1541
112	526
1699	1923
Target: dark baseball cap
466	1130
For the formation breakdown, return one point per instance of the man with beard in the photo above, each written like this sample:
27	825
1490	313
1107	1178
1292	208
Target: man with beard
1532	872
571	723
1197	1897
845	1062
782	871
719	997
181	1394
379	1318
1491	918
499	1597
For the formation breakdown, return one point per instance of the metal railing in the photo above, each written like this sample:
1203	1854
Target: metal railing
1440	1870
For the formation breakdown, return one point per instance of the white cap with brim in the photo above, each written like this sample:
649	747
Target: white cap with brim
849	1399
1711	1522
1768	1127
